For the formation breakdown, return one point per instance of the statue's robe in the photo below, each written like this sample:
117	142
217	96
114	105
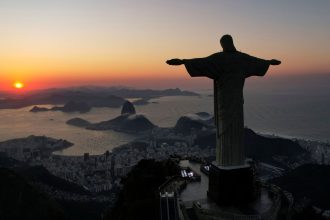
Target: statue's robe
228	70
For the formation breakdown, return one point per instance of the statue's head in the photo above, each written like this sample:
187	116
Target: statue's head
227	43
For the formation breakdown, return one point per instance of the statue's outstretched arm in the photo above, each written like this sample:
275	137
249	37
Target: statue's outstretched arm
274	62
175	62
197	66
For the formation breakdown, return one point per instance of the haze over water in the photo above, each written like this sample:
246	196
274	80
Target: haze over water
301	110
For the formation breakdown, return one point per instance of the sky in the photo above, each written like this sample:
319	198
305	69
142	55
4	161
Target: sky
46	43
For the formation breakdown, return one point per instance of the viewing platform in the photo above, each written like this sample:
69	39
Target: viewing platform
193	202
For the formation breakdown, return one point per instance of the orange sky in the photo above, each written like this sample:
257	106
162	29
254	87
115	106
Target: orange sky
63	43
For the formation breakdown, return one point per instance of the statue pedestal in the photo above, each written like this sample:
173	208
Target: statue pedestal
232	185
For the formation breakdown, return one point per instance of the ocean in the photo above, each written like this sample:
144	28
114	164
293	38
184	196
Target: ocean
293	115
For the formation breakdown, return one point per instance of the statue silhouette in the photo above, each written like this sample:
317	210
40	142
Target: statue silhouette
228	69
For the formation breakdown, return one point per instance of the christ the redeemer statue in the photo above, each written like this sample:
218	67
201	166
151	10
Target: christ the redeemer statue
228	69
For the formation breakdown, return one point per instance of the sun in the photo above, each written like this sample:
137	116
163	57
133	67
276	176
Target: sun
18	85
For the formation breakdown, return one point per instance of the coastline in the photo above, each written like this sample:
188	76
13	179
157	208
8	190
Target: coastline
280	135
164	114
304	142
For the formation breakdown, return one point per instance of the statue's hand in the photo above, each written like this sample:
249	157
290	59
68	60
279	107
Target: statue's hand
174	62
274	62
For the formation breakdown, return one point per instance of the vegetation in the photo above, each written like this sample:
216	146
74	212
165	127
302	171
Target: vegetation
21	200
309	181
138	198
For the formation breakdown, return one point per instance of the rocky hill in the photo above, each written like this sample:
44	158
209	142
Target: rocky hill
33	193
21	200
125	123
192	122
128	108
128	122
278	151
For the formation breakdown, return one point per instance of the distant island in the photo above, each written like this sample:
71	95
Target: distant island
78	122
128	122
92	96
71	106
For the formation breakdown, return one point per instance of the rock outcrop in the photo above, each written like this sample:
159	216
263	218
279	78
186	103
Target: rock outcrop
128	108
